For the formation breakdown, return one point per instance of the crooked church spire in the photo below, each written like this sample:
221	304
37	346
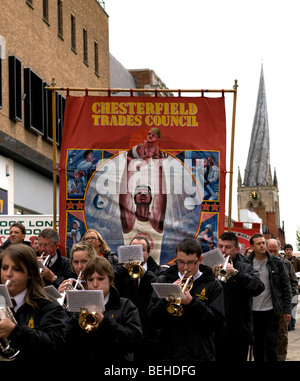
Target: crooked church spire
257	167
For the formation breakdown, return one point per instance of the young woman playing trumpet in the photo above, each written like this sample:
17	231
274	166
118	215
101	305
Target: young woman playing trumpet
40	331
80	255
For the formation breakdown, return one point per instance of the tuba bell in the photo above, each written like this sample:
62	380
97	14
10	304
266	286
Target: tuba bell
88	320
7	353
174	306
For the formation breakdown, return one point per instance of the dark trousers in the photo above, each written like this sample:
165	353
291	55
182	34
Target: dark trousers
265	327
230	348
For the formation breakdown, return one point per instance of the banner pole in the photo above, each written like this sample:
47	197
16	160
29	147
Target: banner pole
232	155
54	150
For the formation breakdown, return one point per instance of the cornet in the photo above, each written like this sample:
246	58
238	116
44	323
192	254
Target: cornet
221	273
88	320
7	353
135	269
174	306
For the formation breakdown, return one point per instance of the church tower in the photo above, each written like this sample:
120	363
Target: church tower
259	191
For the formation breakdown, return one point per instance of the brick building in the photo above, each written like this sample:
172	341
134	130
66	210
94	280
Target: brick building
40	40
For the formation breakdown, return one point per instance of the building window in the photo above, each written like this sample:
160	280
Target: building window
46	11
85	46
60	109
60	18
15	88
96	62
73	33
33	102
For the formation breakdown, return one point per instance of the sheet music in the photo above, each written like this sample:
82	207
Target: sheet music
5	294
52	291
165	290
130	253
213	258
93	300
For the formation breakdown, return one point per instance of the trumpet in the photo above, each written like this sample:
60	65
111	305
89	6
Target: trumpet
135	269
87	320
222	273
7	353
174	306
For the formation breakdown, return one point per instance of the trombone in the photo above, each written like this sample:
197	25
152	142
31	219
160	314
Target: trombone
7	353
174	306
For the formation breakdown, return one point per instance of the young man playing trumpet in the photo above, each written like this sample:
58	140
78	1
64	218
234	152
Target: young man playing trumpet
233	341
191	335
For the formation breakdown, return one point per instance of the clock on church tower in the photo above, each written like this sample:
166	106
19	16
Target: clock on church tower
254	195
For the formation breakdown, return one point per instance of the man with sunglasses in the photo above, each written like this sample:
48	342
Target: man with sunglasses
191	335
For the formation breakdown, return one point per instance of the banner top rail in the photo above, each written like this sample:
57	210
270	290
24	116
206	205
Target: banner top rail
156	90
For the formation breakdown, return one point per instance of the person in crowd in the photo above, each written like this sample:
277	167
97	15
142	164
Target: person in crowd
35	245
248	251
275	298
273	246
94	238
119	331
189	337
295	261
288	251
236	335
139	291
40	326
58	267
80	255
17	232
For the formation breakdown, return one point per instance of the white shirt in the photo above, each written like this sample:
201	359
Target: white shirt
20	299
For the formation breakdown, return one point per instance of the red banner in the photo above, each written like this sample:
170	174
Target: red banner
143	166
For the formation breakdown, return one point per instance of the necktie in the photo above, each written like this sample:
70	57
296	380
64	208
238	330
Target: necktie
136	289
14	303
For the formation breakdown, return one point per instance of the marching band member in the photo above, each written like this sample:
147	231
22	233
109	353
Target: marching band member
41	326
80	255
189	336
119	331
243	283
139	291
94	238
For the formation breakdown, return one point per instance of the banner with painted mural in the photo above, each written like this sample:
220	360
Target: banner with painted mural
143	166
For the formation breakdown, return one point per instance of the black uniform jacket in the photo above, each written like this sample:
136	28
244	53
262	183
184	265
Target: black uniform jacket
190	336
238	293
40	333
115	338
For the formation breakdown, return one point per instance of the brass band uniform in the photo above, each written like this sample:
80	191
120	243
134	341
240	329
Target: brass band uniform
191	335
42	323
119	330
